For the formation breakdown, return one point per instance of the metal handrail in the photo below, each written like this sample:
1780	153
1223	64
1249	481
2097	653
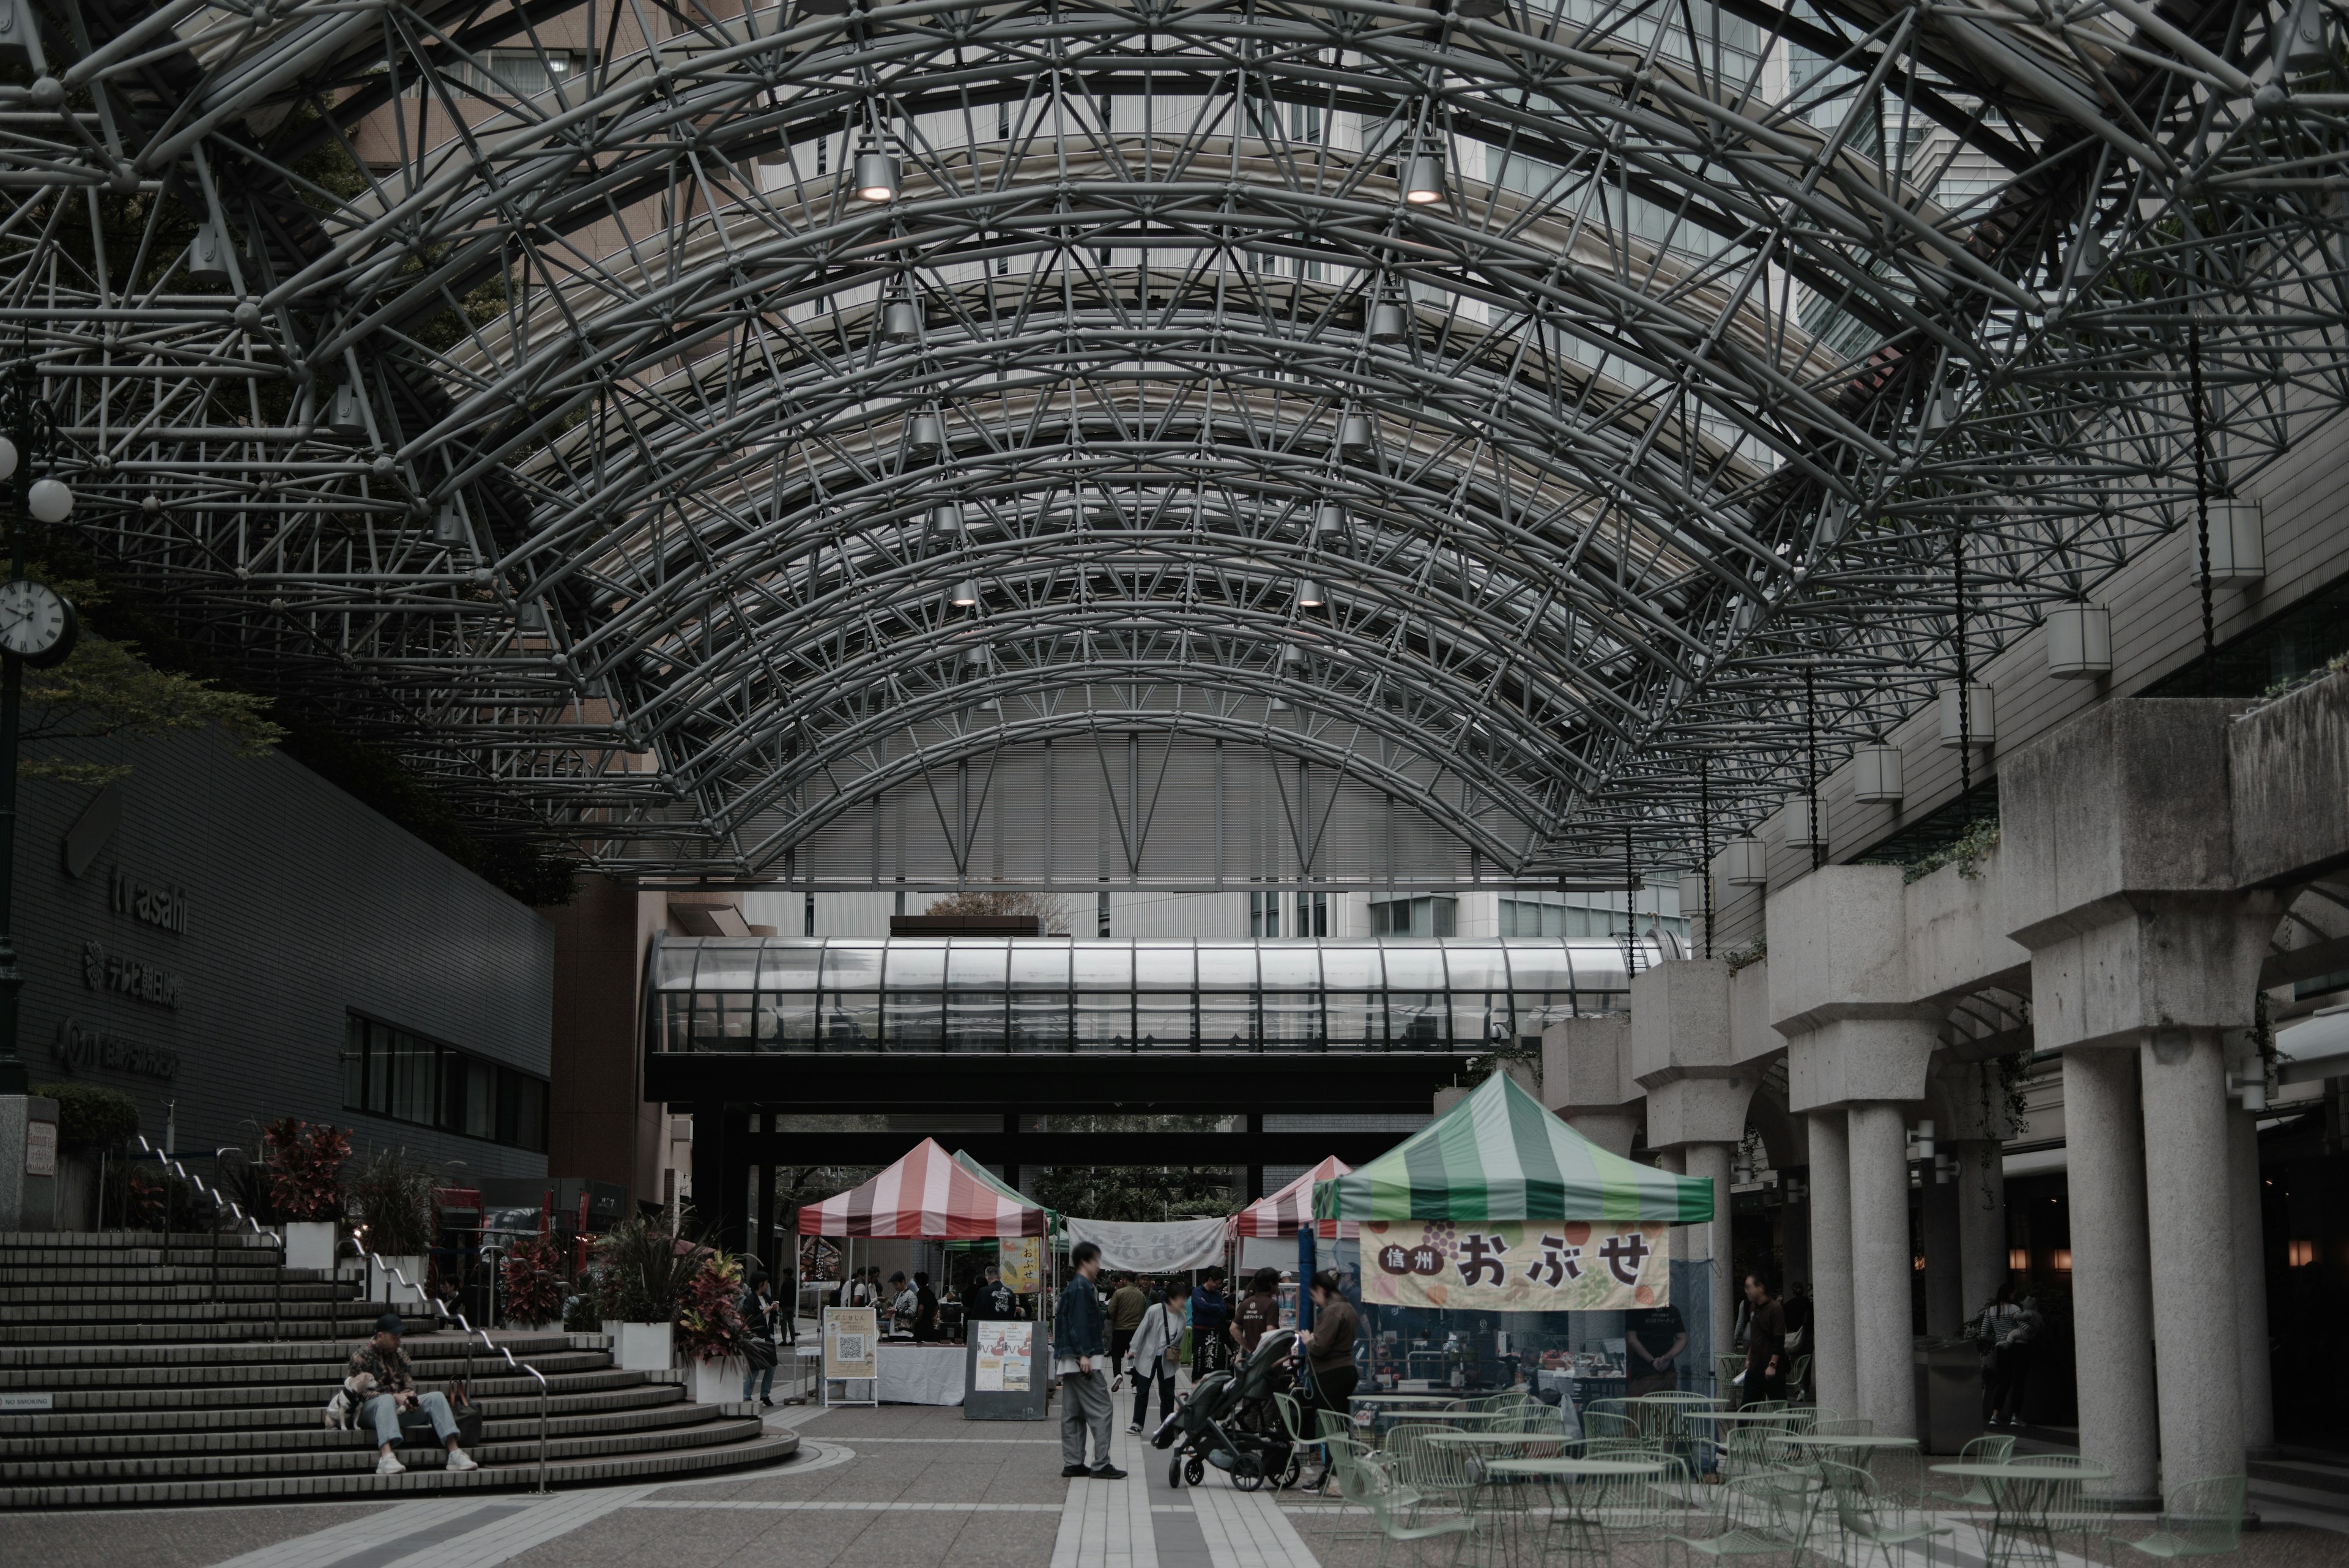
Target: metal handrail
444	1311
222	1200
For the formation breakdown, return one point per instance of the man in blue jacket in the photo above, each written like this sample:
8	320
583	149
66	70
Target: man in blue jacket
1080	1361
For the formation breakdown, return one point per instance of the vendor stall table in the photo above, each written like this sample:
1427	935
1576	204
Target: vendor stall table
921	1374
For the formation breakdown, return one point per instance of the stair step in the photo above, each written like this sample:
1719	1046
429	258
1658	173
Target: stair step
2302	1473
102	1240
309	1436
64	1298
770	1448
445	1353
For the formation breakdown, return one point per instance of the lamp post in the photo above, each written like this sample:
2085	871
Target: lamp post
37	626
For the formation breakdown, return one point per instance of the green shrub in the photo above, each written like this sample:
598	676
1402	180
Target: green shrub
89	1117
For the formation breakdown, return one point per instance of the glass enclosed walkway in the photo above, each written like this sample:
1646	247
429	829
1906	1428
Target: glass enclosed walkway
1058	993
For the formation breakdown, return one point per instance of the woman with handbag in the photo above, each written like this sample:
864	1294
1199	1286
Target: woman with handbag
759	1307
1158	1347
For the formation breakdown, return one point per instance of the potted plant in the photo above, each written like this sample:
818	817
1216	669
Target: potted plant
393	1203
710	1330
304	1166
93	1123
531	1285
643	1268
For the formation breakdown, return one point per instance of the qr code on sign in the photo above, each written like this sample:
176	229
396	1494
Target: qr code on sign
852	1347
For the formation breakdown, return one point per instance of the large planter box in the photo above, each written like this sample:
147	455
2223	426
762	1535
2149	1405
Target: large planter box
310	1244
397	1295
719	1382
643	1346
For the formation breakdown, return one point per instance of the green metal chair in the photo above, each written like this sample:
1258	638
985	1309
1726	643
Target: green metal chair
1750	1521
2046	1501
1726	1368
1351	1473
1866	1520
1438	1473
2200	1519
1798	1380
1978	1451
1395	1512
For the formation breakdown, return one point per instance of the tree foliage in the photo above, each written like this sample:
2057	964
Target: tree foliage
1050	908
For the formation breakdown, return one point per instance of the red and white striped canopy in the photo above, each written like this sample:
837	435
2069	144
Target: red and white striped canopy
926	1194
1285	1212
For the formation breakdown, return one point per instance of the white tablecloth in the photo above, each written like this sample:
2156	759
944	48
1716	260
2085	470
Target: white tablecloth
922	1373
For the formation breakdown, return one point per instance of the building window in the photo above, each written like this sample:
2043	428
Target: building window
1263	914
1313	914
810	916
1102	915
1422	917
525	73
402	1076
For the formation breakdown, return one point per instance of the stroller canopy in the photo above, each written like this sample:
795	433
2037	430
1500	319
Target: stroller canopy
926	1195
1499	1155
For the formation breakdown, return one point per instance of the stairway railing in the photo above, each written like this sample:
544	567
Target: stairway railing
443	1312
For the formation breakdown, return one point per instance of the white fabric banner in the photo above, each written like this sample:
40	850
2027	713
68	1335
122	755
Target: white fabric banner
1153	1247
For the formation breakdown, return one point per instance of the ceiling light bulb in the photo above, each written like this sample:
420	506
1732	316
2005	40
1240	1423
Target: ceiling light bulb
7	458
876	176
1423	186
1308	595
966	594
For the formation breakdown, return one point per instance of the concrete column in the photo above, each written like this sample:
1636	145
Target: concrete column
1830	1209
2250	1282
2183	1086
1981	1221
1710	1162
1945	1292
1881	1262
2112	1299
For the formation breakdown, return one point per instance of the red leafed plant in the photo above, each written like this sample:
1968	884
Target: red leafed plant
533	1281
710	1325
305	1162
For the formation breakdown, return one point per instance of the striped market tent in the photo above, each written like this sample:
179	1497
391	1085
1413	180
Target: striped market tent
1284	1213
996	1184
924	1195
1499	1155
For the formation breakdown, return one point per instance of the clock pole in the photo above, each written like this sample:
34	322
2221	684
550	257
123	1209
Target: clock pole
14	1079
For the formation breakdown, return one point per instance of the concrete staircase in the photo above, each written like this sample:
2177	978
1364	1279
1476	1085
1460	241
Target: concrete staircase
128	1378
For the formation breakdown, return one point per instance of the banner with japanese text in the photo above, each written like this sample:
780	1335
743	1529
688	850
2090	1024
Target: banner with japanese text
1535	1265
1022	1262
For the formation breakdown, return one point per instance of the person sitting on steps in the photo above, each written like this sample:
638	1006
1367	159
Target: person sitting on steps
382	1362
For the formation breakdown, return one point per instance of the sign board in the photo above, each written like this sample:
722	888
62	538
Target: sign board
1003	1378
1539	1265
26	1401
40	1148
852	1349
1021	1259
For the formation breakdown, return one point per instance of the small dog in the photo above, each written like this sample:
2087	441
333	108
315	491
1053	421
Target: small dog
343	1409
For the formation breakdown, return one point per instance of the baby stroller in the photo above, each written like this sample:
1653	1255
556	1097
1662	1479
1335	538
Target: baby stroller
1230	1421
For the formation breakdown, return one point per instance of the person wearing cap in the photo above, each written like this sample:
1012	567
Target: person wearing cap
392	1381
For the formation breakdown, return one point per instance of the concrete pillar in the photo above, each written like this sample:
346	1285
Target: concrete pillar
2250	1282
1830	1209
1945	1291
1981	1221
2111	1289
1710	1162
2183	1087
1883	1366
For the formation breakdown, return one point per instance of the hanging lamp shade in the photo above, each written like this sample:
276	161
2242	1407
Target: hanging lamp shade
1387	325
966	594
876	176
1799	835
1330	518
1354	436
1309	594
901	321
2079	641
1876	776
928	437
947	517
2237	543
1423	183
1980	727
1745	863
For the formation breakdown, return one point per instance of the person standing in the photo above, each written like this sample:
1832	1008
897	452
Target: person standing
1080	1361
758	1309
1157	1349
2013	1330
1329	1358
926	1309
1653	1338
990	1299
1259	1311
1210	1315
1766	1344
1126	1305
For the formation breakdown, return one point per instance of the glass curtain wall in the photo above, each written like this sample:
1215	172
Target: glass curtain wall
993	993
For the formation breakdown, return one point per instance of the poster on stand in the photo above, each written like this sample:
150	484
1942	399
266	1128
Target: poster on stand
1006	1357
851	1340
1022	1262
1539	1265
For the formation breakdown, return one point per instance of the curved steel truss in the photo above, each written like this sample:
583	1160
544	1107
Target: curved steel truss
683	430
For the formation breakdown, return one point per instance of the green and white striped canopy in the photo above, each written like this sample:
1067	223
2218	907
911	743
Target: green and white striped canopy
1498	1155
